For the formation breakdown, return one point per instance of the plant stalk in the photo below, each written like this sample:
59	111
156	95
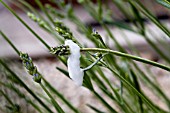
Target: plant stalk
117	53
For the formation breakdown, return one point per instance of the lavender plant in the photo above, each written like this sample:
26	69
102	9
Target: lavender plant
128	94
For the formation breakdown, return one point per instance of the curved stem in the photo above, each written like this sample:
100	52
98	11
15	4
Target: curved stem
117	53
94	63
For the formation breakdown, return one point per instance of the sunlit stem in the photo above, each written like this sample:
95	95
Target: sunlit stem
94	63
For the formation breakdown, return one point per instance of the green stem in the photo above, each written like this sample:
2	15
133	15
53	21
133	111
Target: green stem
146	12
134	89
61	96
121	8
152	85
29	28
128	56
25	86
157	49
33	10
7	39
58	37
21	95
113	38
104	102
45	11
56	105
7	98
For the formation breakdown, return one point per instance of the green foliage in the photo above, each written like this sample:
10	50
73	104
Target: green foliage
127	95
165	3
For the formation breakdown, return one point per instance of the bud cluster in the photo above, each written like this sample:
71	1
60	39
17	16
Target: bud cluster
40	22
96	34
63	30
60	50
32	70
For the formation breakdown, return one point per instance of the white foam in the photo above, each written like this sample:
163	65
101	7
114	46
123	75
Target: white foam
73	63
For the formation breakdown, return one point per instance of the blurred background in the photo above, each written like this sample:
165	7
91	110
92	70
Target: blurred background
24	41
47	63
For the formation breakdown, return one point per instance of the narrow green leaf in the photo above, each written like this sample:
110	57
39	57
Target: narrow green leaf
138	18
100	10
87	82
56	105
10	43
26	25
135	90
63	71
21	95
25	86
137	86
165	3
148	14
45	11
121	25
7	98
95	109
60	96
104	102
